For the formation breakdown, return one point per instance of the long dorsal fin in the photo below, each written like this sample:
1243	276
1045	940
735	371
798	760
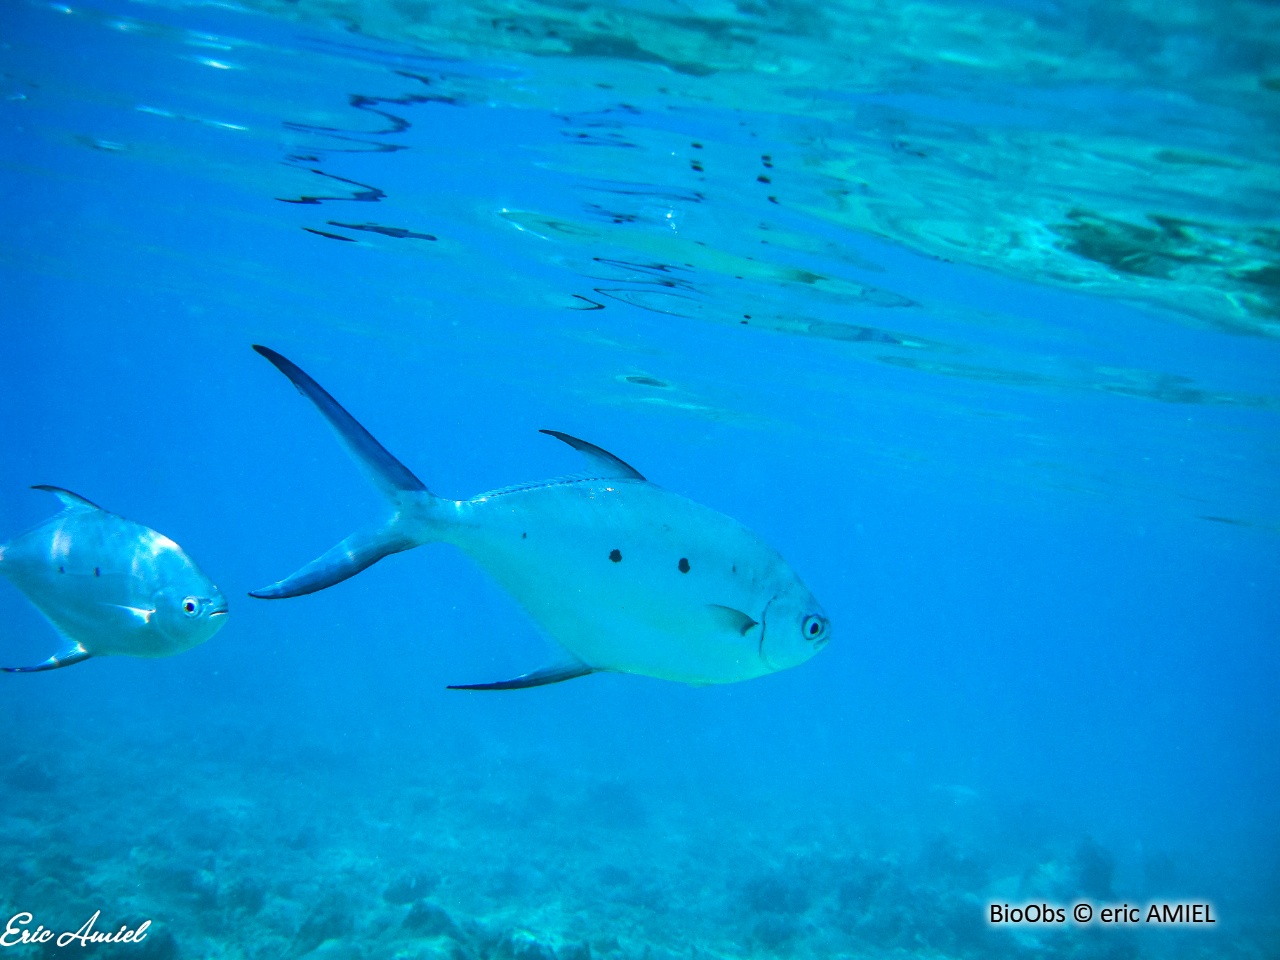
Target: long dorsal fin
538	678
603	459
72	501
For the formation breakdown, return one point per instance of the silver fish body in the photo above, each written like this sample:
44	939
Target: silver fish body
631	578
111	586
623	575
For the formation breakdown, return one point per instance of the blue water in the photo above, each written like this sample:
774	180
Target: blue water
989	355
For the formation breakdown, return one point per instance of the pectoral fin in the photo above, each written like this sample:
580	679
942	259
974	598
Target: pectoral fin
538	678
732	619
136	616
75	655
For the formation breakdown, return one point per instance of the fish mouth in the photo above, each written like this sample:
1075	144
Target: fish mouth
219	611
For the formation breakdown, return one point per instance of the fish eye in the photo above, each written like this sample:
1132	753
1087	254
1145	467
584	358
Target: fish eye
190	606
814	626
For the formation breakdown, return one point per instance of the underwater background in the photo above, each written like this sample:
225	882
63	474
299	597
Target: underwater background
971	309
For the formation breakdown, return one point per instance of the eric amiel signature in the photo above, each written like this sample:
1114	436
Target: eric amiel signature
17	932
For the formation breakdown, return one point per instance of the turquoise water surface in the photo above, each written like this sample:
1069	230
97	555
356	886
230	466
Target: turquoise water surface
969	309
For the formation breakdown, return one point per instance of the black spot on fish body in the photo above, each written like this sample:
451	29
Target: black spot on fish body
683	565
62	570
97	572
763	179
615	556
524	536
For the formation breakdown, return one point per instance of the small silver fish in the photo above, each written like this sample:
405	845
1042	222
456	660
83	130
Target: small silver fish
110	586
623	575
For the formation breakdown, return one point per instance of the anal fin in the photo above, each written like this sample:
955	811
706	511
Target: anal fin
78	654
133	616
538	678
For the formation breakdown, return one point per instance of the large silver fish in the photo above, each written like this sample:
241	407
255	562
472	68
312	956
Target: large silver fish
110	586
623	575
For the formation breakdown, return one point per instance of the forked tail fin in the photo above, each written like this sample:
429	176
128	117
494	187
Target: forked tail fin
365	547
362	549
